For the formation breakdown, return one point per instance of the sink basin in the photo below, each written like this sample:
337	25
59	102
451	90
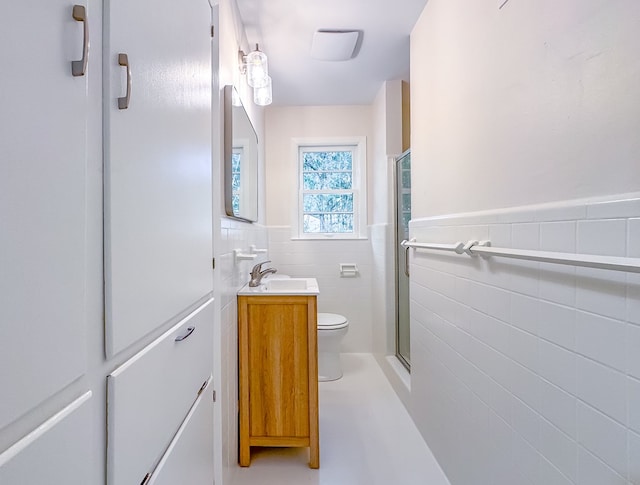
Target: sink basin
288	284
276	276
284	286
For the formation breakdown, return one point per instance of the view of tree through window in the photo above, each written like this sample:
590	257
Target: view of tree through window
236	158
327	190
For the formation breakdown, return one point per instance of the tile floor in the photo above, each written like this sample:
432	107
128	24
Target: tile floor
366	438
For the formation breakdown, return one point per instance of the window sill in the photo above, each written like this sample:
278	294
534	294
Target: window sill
330	238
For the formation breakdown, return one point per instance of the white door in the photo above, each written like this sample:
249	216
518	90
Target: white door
43	136
158	241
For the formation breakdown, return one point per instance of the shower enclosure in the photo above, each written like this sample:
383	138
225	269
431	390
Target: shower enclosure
402	217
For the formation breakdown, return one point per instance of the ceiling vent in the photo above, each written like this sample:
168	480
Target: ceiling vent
334	45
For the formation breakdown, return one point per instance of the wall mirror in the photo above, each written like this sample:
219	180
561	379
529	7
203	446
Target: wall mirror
240	160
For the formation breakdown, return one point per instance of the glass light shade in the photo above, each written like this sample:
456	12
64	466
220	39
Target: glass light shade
262	96
257	69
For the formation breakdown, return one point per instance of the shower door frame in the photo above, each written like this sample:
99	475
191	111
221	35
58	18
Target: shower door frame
397	250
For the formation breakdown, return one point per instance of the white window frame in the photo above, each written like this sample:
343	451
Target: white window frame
359	146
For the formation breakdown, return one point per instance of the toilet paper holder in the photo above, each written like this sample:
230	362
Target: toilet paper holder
348	270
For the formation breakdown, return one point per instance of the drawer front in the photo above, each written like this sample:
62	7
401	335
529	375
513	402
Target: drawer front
55	452
149	396
189	458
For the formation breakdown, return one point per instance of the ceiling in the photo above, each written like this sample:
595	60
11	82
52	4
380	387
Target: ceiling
284	29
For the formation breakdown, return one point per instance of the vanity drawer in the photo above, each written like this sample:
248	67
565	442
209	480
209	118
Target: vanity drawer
149	396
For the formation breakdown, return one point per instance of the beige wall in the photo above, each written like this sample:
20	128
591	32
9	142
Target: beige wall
535	102
283	124
368	304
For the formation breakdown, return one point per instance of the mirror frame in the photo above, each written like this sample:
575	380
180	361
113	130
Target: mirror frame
229	109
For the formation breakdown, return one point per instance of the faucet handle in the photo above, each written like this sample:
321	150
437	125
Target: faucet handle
258	267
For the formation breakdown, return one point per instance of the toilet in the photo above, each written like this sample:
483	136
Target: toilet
331	330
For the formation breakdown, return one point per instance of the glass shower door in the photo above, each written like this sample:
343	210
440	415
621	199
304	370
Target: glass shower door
403	215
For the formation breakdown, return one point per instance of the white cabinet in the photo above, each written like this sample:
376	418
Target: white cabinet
158	250
55	452
189	458
157	240
43	141
150	395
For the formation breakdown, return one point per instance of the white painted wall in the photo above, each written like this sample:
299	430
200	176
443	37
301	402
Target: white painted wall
367	300
230	234
283	124
387	145
536	102
319	258
523	372
526	373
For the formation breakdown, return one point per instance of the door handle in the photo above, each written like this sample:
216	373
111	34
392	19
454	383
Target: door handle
123	60
183	336
406	260
79	68
406	255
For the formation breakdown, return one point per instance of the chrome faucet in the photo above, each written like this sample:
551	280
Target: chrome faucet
257	274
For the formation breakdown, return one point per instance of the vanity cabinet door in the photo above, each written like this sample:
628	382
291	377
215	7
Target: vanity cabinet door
43	210
278	373
278	370
157	108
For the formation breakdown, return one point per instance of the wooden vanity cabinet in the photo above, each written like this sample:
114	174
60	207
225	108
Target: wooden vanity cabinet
278	373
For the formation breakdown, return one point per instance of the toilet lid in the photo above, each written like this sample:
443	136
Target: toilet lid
331	321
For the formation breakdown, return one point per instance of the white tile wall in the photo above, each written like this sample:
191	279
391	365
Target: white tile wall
320	259
232	276
530	371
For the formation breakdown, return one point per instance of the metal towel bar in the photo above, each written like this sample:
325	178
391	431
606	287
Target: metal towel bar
483	248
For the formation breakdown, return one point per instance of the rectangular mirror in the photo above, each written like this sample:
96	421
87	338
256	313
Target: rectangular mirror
240	160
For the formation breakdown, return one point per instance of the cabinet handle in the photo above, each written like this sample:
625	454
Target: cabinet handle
189	331
123	60
79	68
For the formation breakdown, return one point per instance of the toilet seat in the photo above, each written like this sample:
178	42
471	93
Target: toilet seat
331	321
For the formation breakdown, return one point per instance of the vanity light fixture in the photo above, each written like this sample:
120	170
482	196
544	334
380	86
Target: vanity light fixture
262	96
255	66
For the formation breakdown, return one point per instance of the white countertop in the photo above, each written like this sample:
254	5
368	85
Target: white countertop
284	286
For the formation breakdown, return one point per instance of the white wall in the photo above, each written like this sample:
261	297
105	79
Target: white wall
319	258
523	372
536	102
283	124
387	145
368	299
526	373
230	234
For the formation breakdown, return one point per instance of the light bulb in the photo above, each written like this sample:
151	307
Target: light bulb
257	68
262	96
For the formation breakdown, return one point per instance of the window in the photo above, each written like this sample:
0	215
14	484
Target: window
332	196
236	161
